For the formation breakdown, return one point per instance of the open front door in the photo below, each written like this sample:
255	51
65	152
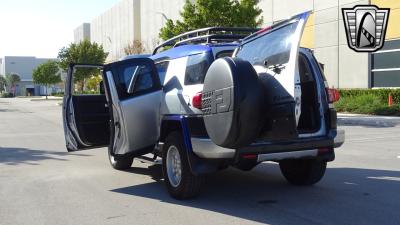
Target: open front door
274	53
85	110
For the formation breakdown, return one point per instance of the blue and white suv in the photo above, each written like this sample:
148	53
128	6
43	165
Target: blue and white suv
209	99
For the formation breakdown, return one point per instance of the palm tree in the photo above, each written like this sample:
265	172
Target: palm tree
12	80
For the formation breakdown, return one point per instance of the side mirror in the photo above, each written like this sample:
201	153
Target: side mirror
101	88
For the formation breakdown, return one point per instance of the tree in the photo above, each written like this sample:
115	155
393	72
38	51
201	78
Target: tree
93	83
83	52
12	80
210	13
46	74
3	83
134	48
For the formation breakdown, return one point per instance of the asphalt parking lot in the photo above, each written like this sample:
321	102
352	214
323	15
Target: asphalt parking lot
40	183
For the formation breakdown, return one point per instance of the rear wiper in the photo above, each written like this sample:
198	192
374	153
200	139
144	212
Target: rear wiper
277	68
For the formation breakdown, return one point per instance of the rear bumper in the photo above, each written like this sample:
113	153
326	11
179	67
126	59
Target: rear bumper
301	147
334	139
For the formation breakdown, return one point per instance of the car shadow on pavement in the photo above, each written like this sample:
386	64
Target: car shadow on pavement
17	156
262	195
154	171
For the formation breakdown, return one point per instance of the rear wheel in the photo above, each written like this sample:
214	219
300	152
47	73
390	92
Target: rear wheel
180	181
303	171
120	163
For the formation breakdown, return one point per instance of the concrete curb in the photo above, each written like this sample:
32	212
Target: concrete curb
367	120
366	116
43	99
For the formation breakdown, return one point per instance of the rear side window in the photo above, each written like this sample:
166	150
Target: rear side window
196	68
226	53
162	70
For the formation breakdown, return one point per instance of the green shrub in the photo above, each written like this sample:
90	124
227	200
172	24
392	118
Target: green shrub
382	94
368	101
59	94
7	95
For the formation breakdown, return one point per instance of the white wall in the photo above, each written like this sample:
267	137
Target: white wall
117	27
154	14
82	32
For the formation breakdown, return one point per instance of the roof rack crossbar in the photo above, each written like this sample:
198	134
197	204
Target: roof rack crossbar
223	33
212	38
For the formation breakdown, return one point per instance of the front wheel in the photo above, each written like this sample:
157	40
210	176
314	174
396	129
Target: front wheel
178	177
121	163
303	171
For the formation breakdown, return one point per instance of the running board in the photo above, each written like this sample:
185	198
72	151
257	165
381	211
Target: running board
146	159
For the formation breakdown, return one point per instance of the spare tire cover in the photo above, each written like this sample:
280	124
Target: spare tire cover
232	102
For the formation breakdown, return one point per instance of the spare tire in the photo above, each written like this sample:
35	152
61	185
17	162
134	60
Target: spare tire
232	102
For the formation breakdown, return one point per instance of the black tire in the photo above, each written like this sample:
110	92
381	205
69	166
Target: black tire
120	163
190	184
303	171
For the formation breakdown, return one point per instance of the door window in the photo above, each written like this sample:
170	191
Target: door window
144	81
136	78
87	81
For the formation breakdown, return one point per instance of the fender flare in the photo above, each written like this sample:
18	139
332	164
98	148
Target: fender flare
197	165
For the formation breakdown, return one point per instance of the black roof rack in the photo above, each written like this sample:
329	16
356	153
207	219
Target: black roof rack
208	35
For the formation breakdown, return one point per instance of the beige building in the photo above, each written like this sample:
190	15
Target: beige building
325	34
141	20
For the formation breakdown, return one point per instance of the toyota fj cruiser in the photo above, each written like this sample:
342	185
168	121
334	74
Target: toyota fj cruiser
209	99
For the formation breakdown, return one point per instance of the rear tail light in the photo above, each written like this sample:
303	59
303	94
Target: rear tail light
250	156
333	95
196	100
322	151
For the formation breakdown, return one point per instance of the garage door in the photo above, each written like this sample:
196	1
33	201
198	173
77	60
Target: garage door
386	65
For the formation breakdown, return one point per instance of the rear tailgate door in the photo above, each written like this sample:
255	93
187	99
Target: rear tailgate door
274	50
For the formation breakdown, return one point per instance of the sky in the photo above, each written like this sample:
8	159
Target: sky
41	27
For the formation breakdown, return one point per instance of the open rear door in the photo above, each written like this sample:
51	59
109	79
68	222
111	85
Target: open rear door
274	53
135	94
85	109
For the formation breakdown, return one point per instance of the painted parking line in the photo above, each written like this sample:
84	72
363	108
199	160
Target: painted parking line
385	178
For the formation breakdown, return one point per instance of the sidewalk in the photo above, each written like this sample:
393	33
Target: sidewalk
345	119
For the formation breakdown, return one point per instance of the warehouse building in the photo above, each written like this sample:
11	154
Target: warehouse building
23	66
141	20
